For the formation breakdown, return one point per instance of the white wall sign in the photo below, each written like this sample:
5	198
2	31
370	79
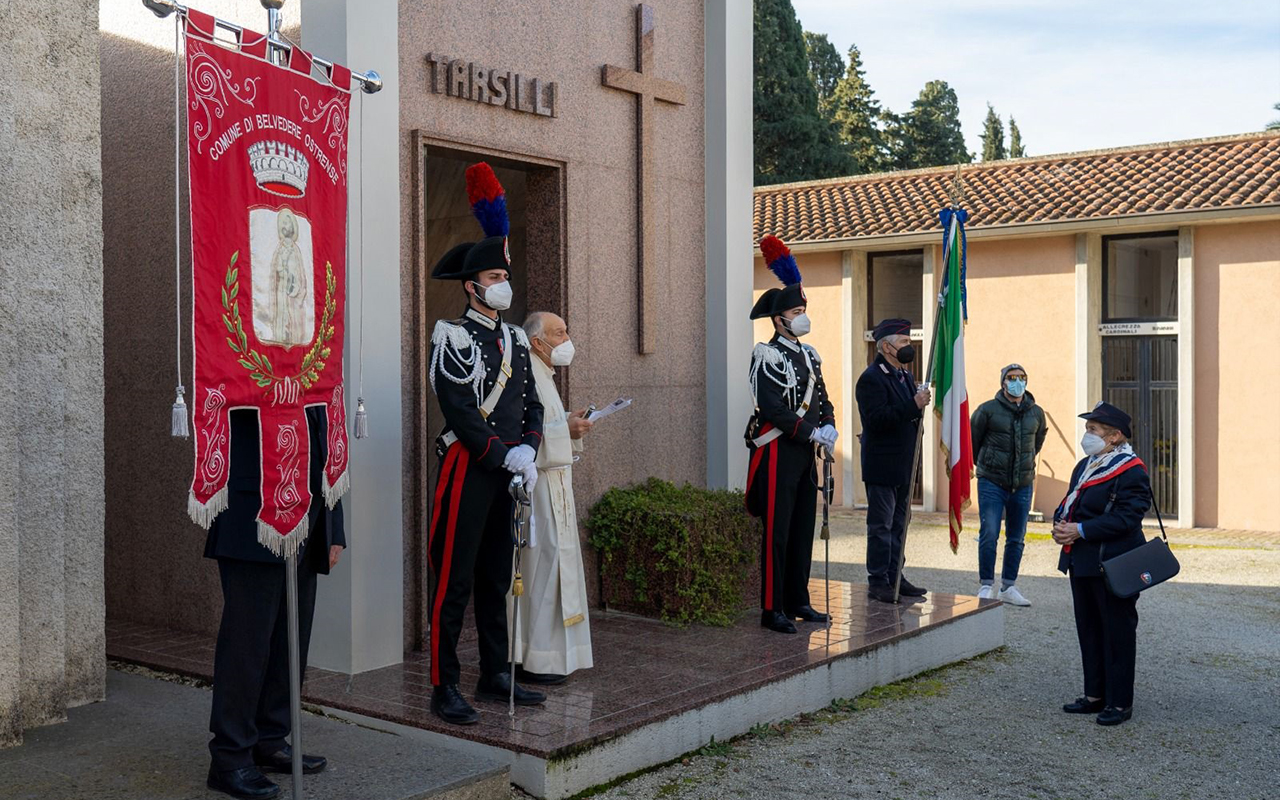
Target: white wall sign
1138	328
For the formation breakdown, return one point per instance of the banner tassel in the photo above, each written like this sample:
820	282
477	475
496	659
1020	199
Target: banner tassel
283	546
203	514
178	421
362	419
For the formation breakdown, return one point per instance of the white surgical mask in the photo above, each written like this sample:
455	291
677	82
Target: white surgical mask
497	296
1092	444
798	326
562	354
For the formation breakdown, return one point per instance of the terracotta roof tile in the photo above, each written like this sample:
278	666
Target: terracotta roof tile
1204	174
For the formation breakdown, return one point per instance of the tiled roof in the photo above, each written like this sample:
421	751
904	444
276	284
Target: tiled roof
1204	174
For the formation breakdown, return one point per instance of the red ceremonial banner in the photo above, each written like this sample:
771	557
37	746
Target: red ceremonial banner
267	161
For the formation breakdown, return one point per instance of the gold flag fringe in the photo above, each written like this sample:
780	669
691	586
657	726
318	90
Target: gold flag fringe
202	514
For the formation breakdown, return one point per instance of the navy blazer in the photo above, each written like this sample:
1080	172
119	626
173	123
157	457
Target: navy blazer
234	532
1111	527
890	418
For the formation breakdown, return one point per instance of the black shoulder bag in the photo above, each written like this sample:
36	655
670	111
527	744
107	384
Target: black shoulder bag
1142	567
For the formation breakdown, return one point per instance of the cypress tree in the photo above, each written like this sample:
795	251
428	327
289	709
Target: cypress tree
792	141
857	114
826	68
929	134
993	137
1016	150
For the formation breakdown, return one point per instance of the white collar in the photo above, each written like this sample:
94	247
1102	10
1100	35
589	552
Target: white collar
483	319
541	367
793	346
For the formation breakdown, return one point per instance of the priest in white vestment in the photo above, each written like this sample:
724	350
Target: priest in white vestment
553	634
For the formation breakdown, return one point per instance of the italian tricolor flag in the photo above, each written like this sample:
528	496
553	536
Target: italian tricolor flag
952	407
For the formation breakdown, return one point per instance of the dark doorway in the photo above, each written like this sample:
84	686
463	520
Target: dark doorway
442	219
1140	375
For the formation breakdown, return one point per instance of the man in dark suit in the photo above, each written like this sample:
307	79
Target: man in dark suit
891	408
250	717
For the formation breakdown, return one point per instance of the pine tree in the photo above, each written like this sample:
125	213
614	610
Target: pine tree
929	134
857	114
1016	150
1275	123
993	137
826	68
792	140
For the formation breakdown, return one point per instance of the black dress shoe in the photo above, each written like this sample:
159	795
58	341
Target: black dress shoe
247	782
882	593
448	704
282	761
908	589
497	688
807	614
775	621
1083	705
1114	716
539	678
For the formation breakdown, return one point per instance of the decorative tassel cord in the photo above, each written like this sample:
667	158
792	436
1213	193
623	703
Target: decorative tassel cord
178	418
362	416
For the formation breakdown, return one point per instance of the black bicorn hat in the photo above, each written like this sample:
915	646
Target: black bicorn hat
891	327
780	261
489	204
1108	414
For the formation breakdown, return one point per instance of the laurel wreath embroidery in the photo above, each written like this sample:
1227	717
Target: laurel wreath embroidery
259	365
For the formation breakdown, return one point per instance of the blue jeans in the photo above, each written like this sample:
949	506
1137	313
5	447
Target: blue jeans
993	504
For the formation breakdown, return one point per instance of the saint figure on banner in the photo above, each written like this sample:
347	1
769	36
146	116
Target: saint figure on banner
284	304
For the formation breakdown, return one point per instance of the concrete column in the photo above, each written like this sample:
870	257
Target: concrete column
929	447
856	360
1186	377
729	247
1088	318
359	608
846	411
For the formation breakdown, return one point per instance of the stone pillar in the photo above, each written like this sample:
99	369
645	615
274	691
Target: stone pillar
51	399
1186	377
729	171
358	623
1088	318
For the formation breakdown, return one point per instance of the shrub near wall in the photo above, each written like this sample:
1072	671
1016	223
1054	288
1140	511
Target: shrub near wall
681	554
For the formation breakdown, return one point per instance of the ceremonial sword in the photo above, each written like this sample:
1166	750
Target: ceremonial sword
520	513
828	489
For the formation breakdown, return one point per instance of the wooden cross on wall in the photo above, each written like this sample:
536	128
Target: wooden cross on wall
647	88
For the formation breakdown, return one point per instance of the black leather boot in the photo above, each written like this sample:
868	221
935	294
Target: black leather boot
882	593
775	621
497	688
807	614
282	761
1114	716
247	783
1083	705
908	589
448	704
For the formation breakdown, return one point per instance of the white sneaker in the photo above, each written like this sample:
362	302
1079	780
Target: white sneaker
1013	597
987	592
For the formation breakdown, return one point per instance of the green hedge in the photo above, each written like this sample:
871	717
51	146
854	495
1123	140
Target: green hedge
681	554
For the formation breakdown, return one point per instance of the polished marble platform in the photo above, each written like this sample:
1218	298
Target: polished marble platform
656	691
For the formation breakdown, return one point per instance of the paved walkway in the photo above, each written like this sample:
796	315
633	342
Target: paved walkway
149	741
1207	719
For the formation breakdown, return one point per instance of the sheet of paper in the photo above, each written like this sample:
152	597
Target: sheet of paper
612	408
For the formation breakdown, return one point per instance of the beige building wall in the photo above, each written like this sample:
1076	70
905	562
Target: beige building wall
1237	283
822	285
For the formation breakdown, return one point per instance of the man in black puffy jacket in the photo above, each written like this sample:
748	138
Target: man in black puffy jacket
1008	432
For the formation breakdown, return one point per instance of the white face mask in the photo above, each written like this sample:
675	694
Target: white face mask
562	354
798	326
1092	444
497	296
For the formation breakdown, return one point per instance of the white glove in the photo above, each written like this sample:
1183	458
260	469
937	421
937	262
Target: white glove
530	476
827	435
815	436
518	458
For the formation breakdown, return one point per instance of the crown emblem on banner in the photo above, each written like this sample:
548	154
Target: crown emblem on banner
278	168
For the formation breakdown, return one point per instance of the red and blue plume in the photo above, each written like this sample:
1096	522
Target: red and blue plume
778	256
488	200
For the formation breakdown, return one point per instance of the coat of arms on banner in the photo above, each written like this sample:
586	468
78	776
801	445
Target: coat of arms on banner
267	159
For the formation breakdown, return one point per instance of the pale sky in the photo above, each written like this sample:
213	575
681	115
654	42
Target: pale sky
1076	74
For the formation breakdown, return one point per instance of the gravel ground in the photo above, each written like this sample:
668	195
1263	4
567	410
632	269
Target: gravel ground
1206	719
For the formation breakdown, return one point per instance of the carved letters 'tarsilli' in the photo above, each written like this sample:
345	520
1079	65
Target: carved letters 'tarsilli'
471	81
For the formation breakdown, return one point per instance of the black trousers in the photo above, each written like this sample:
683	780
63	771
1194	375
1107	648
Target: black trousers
784	491
1108	629
251	662
471	550
886	531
